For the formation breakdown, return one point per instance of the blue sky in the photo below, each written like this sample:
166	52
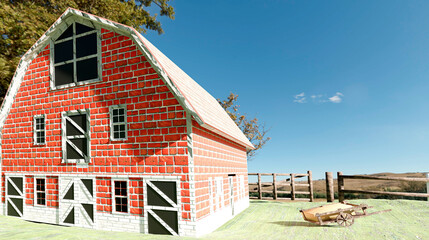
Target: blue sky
362	67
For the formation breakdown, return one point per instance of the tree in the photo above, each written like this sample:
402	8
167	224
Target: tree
22	22
252	129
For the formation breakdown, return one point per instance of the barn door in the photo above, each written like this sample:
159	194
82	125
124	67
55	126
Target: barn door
77	202
15	196
76	137
162	207
67	199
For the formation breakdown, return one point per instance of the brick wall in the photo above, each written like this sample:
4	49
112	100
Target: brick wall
215	156
156	122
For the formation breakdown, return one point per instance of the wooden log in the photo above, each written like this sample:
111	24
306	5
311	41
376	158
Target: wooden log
284	192
388	193
340	180
302	185
310	187
292	185
302	192
329	187
386	178
274	187
259	186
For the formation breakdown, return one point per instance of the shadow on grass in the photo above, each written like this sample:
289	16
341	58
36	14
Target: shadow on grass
298	224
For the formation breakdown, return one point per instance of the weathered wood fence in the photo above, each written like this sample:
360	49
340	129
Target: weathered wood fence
289	182
342	190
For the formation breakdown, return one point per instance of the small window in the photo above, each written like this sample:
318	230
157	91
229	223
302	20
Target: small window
118	123
121	196
40	191
39	130
75	56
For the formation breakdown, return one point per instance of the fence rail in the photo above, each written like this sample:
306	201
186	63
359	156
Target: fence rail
342	190
275	185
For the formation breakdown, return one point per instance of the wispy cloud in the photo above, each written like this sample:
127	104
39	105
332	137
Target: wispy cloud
300	98
319	98
337	98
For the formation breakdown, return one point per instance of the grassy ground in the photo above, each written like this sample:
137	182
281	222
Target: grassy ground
263	220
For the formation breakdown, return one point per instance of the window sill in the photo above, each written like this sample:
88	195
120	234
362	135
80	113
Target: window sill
77	84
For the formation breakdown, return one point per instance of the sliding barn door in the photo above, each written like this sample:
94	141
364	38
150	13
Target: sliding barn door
15	196
162	207
77	202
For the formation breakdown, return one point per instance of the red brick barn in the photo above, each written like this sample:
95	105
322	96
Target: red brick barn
101	130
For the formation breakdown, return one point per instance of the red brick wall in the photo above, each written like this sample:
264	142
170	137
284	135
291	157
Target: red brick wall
156	121
215	156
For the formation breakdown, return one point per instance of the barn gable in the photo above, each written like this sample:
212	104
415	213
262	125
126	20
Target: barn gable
195	100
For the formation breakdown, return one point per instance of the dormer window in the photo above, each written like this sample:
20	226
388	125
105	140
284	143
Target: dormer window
75	56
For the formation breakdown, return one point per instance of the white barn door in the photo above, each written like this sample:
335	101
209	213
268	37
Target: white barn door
77	202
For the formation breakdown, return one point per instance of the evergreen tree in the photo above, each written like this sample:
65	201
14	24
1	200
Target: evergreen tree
22	22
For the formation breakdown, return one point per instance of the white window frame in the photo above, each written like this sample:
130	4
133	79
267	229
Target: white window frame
35	130
35	191
64	27
219	192
127	181
64	136
211	194
112	136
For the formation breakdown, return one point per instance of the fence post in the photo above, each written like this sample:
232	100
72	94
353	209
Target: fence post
274	187
427	184
329	187
340	180
310	185
259	186
292	186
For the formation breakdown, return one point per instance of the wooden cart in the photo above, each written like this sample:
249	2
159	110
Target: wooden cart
342	213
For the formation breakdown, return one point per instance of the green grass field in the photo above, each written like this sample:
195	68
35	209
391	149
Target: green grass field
263	220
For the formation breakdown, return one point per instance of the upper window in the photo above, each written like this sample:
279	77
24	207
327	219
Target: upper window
39	130
118	122
75	56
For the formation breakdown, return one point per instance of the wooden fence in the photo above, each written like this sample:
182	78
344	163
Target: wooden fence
342	177
276	184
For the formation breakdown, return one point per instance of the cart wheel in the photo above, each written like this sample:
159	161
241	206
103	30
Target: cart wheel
345	219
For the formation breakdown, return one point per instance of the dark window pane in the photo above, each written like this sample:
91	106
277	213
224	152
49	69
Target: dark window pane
67	33
82	28
121	118
86	45
115	111
121	111
64	74
116	135
63	51
72	153
87	69
122	127
81	144
115	120
122	135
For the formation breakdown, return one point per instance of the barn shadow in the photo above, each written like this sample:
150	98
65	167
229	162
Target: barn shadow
298	224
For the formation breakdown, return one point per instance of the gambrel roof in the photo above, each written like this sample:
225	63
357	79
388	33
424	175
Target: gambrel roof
203	107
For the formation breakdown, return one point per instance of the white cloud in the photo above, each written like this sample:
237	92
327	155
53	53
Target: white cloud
300	98
319	98
337	98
